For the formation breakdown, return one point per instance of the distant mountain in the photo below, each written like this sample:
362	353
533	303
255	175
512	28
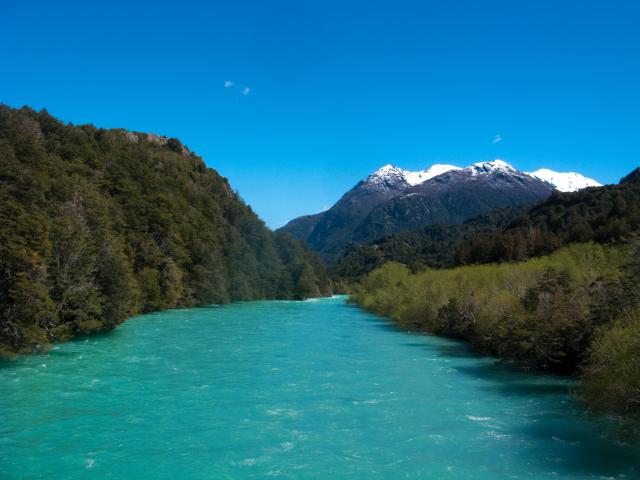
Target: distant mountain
452	198
381	186
326	229
392	200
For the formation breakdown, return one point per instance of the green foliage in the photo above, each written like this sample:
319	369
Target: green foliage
607	214
98	225
610	381
565	312
432	246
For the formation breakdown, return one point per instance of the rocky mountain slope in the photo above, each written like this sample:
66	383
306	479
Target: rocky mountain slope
392	200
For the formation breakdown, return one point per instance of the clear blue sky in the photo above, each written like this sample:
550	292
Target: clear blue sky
339	88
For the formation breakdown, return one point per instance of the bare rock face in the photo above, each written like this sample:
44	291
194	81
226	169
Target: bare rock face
159	139
132	137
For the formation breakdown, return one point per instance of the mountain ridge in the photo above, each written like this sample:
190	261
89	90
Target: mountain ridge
562	181
392	200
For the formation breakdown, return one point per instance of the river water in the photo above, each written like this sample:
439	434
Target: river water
316	389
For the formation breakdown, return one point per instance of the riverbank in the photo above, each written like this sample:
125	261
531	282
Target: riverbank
304	390
572	312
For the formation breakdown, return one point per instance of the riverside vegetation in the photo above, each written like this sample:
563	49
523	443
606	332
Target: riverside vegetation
575	311
552	288
98	225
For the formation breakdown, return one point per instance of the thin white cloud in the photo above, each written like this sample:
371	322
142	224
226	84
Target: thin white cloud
246	90
497	139
228	84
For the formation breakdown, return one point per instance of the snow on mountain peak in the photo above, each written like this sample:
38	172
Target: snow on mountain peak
390	173
490	167
416	178
387	176
565	181
386	169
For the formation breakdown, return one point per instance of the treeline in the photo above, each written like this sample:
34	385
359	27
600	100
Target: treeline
606	214
98	225
575	311
432	246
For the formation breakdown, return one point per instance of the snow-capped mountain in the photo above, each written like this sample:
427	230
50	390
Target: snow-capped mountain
562	181
415	178
565	181
392	200
388	176
495	166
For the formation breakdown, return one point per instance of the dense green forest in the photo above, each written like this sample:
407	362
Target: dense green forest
606	214
575	311
432	246
98	225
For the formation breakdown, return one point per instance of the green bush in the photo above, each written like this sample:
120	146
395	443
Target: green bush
610	380
565	312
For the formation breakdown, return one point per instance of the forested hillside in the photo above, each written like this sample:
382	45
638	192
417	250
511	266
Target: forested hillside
602	214
432	246
98	225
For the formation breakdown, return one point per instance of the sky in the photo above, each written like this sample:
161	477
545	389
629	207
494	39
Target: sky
296	101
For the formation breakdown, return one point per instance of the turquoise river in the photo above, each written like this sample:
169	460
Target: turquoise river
302	390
